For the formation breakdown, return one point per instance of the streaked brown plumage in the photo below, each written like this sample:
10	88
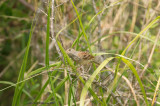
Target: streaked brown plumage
80	57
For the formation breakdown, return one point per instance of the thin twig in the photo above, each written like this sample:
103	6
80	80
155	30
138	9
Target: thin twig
135	10
27	5
52	31
150	57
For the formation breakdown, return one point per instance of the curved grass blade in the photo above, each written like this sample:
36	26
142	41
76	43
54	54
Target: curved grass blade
42	69
83	30
92	77
137	77
147	27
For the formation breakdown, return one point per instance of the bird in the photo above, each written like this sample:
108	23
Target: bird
80	57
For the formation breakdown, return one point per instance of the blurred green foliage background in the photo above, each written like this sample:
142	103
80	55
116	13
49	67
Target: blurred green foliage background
111	32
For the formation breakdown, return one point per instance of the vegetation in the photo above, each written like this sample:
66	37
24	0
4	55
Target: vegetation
122	35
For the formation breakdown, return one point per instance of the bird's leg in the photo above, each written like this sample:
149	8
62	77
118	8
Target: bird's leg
83	70
89	68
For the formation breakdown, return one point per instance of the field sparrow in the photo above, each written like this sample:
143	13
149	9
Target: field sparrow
80	57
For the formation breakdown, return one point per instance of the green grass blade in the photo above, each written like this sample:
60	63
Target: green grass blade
39	70
137	77
65	55
17	93
83	30
40	92
47	53
61	84
71	94
47	37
